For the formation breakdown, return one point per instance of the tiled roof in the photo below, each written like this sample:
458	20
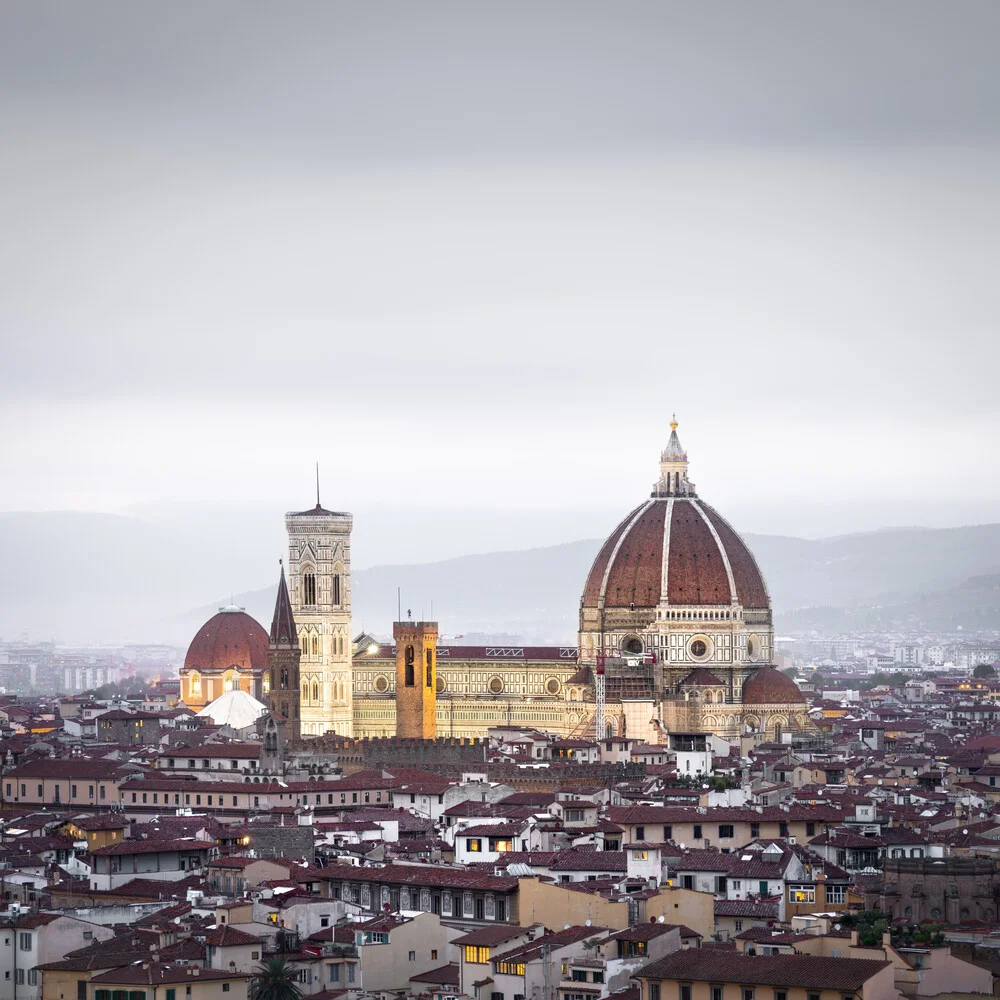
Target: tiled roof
804	971
421	875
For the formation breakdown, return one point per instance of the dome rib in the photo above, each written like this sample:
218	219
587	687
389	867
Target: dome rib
722	550
592	590
693	577
632	575
751	587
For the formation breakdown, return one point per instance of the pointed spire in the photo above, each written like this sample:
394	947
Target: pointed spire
283	631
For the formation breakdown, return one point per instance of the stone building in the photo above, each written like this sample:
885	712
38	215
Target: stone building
228	653
674	611
949	889
319	572
416	679
284	656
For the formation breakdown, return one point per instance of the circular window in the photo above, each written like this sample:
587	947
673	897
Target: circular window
496	685
381	684
440	684
633	644
753	648
552	685
698	647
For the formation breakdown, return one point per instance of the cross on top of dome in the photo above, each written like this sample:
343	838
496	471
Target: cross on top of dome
673	479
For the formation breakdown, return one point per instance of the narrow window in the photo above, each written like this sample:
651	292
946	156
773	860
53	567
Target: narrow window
336	588
430	668
410	681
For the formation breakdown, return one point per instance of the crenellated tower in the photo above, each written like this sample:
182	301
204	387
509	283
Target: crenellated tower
416	679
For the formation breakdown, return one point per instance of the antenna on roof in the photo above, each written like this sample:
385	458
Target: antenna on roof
317	484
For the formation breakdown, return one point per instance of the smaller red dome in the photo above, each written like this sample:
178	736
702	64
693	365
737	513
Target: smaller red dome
229	639
771	687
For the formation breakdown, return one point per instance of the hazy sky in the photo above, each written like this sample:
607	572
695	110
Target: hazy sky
472	255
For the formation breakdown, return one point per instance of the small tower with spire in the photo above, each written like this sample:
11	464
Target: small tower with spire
673	479
283	657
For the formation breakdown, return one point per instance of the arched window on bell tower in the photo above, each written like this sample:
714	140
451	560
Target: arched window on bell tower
410	678
315	645
308	587
336	589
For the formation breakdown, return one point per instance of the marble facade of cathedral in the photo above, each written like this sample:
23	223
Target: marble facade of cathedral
674	612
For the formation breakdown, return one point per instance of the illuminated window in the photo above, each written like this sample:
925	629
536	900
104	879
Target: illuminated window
195	682
475	844
802	894
477	954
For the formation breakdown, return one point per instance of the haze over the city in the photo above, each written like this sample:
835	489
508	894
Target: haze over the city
473	261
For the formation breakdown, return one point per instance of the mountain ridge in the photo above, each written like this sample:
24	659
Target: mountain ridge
103	577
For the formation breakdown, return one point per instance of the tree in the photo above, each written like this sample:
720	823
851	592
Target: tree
791	672
275	979
984	670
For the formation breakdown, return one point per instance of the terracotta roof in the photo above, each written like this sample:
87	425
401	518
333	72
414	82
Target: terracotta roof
702	677
152	973
225	935
228	639
446	975
629	566
805	971
151	847
771	687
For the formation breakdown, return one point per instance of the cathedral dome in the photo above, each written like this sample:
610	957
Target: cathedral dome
230	638
771	687
674	549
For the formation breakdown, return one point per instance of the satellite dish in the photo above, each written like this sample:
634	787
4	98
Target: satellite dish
965	833
663	919
836	927
682	845
586	923
565	927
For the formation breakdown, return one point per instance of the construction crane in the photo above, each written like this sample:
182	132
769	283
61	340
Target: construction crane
599	698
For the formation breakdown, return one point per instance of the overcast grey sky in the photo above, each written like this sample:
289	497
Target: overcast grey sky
474	254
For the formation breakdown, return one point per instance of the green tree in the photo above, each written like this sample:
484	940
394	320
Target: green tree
275	979
984	670
791	672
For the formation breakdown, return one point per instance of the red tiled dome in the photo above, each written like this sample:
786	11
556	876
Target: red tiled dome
771	687
707	563
229	639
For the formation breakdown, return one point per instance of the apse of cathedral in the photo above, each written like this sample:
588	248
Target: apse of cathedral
674	614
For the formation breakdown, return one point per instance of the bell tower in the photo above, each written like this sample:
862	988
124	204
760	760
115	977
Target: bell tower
283	656
319	577
416	679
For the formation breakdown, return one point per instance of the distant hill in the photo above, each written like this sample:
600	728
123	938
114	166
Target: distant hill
98	577
849	582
